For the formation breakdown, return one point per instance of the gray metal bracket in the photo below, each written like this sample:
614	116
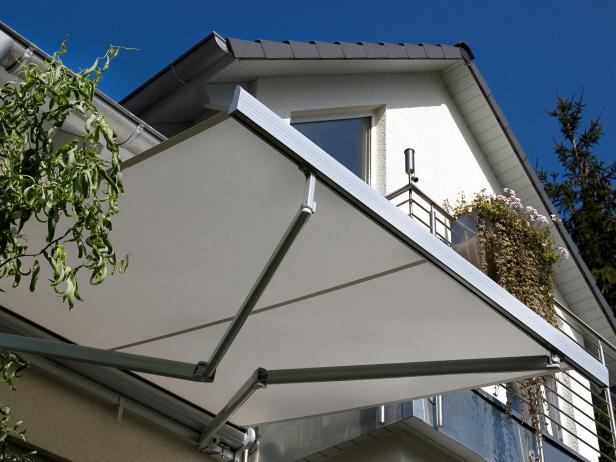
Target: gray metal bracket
101	357
306	210
261	378
199	372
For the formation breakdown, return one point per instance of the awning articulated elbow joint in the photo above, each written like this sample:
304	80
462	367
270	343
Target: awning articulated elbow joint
261	378
202	371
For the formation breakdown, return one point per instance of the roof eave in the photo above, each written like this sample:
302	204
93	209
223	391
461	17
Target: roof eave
545	200
180	71
115	106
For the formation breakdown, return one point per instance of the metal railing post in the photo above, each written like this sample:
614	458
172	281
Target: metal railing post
432	220
438	404
608	398
381	419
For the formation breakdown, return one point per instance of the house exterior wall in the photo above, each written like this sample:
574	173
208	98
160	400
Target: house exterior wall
79	427
417	111
400	447
410	110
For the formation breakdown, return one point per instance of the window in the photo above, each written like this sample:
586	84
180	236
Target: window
346	140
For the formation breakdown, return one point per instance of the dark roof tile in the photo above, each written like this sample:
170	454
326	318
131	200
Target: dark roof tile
291	49
329	50
352	50
246	49
415	51
276	50
373	50
451	52
434	51
303	50
395	51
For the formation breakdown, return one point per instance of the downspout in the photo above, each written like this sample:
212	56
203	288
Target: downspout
134	135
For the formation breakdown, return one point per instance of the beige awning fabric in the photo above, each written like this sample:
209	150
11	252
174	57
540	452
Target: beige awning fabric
361	284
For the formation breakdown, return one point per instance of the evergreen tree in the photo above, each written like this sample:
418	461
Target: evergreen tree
583	192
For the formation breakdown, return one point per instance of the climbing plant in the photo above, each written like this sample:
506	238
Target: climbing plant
11	366
58	179
516	250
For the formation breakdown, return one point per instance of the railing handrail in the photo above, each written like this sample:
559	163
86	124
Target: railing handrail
413	188
582	323
589	338
583	334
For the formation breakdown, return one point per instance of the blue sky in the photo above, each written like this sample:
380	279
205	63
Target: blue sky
526	50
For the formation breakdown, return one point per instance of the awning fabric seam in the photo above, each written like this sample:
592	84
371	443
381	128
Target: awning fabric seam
282	304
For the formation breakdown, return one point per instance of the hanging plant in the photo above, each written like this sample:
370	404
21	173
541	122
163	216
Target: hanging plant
515	249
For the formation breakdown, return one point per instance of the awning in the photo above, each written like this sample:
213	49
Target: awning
357	283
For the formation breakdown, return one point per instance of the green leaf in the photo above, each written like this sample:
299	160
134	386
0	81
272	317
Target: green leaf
35	272
69	187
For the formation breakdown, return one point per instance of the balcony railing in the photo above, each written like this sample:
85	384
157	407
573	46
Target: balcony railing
424	210
576	413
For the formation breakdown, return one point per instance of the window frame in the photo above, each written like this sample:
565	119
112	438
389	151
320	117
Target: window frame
343	114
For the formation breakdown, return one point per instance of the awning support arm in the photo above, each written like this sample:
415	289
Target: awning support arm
101	357
261	378
307	208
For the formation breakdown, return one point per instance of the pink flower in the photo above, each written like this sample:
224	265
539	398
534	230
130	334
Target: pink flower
563	252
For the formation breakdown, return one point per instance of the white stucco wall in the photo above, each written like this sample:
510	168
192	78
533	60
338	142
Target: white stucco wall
79	427
418	113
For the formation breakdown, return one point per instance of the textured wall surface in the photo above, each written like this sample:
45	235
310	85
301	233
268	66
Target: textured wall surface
78	427
419	113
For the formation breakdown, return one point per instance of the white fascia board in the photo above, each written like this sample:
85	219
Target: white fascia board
267	124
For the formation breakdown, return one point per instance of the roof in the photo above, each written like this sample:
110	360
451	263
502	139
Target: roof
215	51
291	49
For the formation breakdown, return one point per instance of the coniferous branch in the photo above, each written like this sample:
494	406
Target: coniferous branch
583	192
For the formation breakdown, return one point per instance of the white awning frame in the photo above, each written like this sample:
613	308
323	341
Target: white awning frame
268	125
261	378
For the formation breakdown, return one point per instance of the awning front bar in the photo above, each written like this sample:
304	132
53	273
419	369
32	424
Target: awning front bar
261	378
417	369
